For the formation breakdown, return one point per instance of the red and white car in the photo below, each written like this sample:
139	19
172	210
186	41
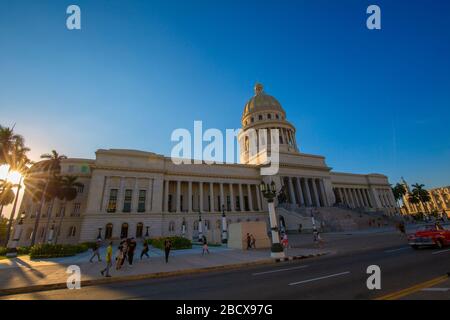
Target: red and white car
434	235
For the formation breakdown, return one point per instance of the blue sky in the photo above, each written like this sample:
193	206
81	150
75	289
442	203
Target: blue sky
370	101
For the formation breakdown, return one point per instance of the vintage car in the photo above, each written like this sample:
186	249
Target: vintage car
435	235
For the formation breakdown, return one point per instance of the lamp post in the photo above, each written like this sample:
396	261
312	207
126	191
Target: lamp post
51	232
200	226
224	226
146	232
17	233
99	237
269	193
183	228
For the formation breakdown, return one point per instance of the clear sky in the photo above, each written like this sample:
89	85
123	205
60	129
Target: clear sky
370	101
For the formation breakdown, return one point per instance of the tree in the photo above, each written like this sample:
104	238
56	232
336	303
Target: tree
7	140
69	191
399	191
20	165
419	195
52	166
7	194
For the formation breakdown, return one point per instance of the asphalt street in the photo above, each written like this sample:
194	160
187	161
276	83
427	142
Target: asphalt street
339	275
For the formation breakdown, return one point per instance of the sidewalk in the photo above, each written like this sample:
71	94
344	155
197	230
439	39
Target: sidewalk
21	275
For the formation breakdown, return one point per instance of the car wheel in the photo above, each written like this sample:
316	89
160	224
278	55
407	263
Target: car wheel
440	244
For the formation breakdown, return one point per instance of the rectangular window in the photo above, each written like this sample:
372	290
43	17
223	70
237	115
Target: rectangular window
112	203
76	210
80	189
127	200
141	203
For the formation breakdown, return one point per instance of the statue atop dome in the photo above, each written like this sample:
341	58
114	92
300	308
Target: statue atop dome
258	89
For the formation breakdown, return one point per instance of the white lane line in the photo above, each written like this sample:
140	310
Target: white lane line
320	278
395	250
436	289
442	251
278	270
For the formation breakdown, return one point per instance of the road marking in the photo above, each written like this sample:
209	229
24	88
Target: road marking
394	250
320	278
278	270
413	289
436	289
442	251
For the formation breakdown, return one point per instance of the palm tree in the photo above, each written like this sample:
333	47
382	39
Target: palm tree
52	165
21	166
419	195
69	191
7	194
7	140
399	191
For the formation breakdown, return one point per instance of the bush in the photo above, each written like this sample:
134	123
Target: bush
56	250
89	245
19	250
178	243
3	251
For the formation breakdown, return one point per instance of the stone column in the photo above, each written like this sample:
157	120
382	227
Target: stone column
211	197
250	198
324	194
121	195
106	192
232	198
341	195
308	192
355	199
190	196
316	195
291	190
178	196
200	189
222	197
166	195
156	201
375	199
258	198
241	198
300	193
366	193
349	198
135	199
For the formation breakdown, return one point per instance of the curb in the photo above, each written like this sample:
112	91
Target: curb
300	257
112	280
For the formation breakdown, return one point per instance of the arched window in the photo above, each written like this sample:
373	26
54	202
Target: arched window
139	230
260	117
109	231
171	226
207	224
195	225
269	116
124	231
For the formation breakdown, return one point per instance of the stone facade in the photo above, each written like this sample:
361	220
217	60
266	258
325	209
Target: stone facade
130	193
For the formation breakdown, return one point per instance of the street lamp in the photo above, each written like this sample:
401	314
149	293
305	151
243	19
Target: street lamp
183	228
12	250
99	237
224	226
269	192
200	226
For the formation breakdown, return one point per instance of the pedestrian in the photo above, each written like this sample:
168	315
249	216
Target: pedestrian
145	250
205	245
108	261
120	256
131	248
300	226
285	241
124	251
167	247
318	238
96	252
252	241
249	241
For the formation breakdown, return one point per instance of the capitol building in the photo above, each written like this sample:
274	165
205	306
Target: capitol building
129	193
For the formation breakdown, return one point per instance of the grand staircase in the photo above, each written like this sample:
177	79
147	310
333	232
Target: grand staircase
331	218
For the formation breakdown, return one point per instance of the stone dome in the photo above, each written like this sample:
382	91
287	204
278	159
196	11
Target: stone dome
261	102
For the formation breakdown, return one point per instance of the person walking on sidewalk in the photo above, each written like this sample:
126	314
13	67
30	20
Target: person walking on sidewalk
252	241
131	247
249	241
108	261
167	247
205	245
120	255
145	249
96	252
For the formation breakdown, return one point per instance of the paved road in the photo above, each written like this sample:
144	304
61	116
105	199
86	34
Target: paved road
337	276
